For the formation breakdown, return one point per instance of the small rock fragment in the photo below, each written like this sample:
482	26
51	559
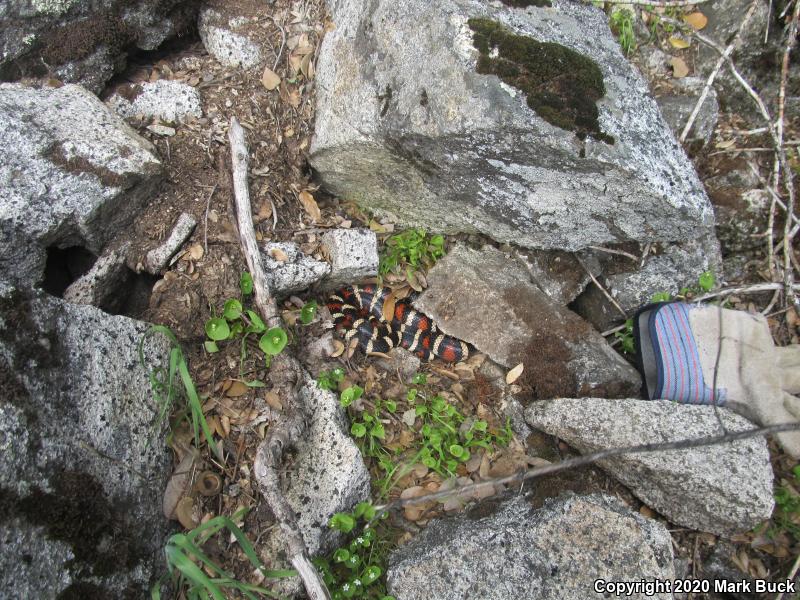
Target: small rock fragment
353	254
102	284
290	270
169	101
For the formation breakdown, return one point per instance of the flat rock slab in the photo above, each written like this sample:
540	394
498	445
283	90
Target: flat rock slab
328	476
73	174
488	300
231	33
450	149
723	489
556	552
84	461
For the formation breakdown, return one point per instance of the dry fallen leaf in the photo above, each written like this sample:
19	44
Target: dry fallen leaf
388	308
307	66
724	144
273	400
195	252
310	205
338	348
697	20
178	483
270	79
678	43
237	388
514	373
279	255
679	68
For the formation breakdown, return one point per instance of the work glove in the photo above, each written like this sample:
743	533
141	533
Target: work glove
680	346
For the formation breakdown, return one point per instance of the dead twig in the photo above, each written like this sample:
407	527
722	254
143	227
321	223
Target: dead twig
286	375
601	288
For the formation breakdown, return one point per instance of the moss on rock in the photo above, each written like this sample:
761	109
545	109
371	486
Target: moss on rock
561	85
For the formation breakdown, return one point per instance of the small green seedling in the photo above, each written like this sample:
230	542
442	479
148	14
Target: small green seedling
621	22
246	283
165	388
308	312
330	380
350	395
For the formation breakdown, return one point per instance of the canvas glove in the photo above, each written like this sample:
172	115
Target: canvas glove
677	346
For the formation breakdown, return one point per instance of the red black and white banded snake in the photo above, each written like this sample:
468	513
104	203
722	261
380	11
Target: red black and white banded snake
358	310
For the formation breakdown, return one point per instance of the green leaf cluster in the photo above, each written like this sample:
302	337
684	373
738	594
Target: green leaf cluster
410	250
330	380
448	437
236	321
354	570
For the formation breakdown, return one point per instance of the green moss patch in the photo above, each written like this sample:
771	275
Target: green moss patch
561	85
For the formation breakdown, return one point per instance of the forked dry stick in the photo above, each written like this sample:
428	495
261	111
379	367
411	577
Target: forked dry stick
715	71
286	375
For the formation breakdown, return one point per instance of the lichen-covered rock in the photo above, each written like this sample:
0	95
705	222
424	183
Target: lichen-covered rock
73	174
84	461
170	101
353	254
487	299
509	148
289	270
723	489
83	42
559	551
328	476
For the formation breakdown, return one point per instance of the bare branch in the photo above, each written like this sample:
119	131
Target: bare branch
587	459
244	220
286	376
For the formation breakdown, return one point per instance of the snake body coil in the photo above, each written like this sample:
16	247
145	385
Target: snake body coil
358	310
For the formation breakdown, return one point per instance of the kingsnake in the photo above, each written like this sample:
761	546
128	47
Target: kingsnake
358	309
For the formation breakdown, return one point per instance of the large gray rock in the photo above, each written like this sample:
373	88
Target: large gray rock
453	150
558	551
73	174
487	299
723	489
83	42
84	462
328	476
